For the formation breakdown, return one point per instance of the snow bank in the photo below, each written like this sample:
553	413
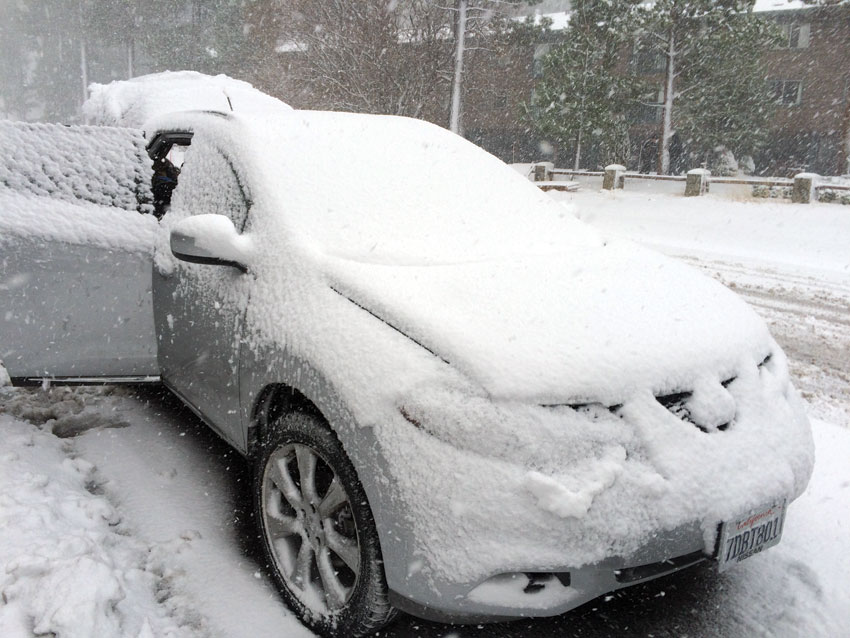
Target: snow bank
807	236
134	102
24	216
68	568
99	165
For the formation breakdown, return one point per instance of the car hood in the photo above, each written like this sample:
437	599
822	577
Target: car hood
596	323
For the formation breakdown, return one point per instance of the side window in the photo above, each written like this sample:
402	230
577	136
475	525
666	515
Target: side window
208	184
166	173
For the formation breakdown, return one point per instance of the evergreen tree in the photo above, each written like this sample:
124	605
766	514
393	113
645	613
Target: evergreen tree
703	43
725	101
582	97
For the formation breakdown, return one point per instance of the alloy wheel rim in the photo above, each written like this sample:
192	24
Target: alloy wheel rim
310	528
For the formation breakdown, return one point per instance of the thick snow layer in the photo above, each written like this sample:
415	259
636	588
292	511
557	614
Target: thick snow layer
101	165
576	487
133	102
68	566
172	513
24	216
789	261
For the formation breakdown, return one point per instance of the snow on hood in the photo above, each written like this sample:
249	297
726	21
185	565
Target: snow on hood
591	324
133	102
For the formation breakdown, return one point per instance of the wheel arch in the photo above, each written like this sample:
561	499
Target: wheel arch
273	401
276	380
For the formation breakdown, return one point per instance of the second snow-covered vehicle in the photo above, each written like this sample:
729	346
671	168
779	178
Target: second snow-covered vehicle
459	400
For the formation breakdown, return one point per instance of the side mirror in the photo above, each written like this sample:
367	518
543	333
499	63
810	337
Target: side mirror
210	239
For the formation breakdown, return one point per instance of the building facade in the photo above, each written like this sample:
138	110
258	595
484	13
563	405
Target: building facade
808	74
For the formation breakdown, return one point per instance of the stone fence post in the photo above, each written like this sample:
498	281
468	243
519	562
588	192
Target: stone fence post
697	182
542	171
803	191
615	177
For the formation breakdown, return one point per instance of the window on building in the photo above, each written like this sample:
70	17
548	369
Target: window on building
647	60
794	36
651	108
786	92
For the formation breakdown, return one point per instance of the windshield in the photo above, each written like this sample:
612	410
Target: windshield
396	190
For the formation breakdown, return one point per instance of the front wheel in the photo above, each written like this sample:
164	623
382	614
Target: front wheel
318	531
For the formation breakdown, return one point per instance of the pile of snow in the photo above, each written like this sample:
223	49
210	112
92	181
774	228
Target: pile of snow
68	566
133	102
100	165
31	217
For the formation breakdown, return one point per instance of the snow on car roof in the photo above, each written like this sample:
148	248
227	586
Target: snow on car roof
133	102
101	165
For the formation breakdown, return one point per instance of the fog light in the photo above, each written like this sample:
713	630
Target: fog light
525	590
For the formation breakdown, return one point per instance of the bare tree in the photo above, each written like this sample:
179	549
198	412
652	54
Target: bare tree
369	55
403	57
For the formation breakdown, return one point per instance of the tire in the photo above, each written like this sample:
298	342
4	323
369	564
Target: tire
318	534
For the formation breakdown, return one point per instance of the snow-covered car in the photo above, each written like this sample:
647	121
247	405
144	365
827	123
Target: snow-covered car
459	400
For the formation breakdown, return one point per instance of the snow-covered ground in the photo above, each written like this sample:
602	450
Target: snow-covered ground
121	515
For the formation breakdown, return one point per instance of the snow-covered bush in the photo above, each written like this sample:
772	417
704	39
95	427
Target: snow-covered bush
772	192
747	165
100	165
724	163
828	195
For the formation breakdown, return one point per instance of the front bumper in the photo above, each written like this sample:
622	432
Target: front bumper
472	510
534	592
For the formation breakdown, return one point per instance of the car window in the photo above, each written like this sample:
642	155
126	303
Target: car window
208	184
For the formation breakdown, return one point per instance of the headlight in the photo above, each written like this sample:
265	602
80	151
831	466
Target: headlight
540	438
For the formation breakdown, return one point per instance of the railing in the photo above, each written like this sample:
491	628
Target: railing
804	188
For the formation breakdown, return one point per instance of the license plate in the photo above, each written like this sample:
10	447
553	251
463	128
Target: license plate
750	534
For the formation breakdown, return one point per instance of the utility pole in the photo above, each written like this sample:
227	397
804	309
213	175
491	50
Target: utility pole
457	84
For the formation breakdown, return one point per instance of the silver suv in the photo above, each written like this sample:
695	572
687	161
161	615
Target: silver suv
460	401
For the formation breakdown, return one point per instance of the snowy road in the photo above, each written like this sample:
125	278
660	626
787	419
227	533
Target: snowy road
180	497
810	318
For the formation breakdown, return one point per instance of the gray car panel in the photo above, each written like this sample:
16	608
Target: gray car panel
75	311
200	308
